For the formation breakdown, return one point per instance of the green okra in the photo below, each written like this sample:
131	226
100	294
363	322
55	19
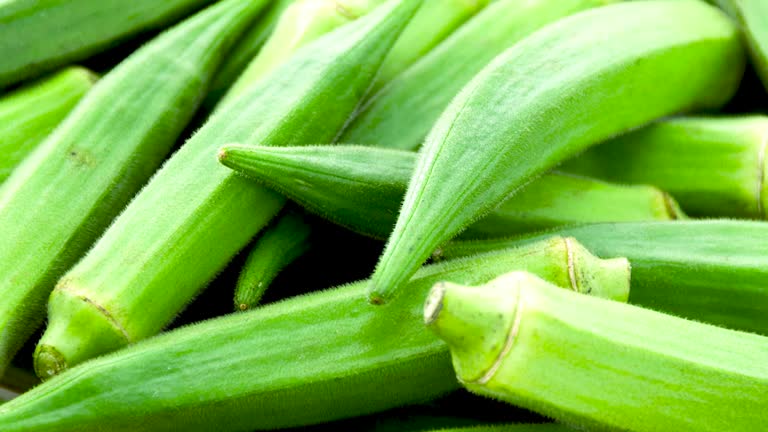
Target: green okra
544	427
752	15
72	185
195	215
712	271
714	166
183	379
301	22
595	363
436	20
277	247
402	113
30	113
37	36
361	188
244	52
549	97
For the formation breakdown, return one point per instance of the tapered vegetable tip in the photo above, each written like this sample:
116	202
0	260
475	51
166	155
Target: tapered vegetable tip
572	84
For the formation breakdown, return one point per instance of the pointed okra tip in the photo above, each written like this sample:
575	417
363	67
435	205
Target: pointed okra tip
475	321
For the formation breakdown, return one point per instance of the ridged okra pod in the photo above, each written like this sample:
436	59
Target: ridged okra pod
361	188
520	427
301	22
436	20
279	245
712	271
401	113
63	196
572	84
600	364
714	166
752	15
246	49
200	377
36	36
194	215
30	113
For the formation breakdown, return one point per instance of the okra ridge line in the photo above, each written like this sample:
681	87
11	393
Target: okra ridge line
103	311
761	176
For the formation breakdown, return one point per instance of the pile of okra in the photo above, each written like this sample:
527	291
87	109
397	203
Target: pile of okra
383	215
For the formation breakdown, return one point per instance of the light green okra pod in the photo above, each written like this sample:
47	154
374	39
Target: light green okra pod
712	271
361	188
600	364
301	22
195	215
278	246
402	113
36	36
30	113
436	20
752	15
570	85
244	52
201	377
714	166
62	197
546	427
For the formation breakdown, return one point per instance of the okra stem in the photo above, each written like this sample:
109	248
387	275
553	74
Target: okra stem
600	364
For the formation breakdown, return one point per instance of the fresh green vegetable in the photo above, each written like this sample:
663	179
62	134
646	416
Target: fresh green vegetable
435	21
277	247
546	427
402	113
37	36
548	97
57	203
29	114
195	215
301	22
361	188
244	52
200	377
715	166
752	15
600	364
712	271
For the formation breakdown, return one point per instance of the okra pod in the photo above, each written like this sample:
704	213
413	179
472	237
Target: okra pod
714	166
752	15
600	364
301	22
277	247
244	52
544	427
549	97
30	113
194	215
436	20
39	36
712	271
57	203
401	113
361	188
183	379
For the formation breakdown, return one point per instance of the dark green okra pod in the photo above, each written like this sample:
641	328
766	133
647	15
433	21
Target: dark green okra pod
194	215
600	364
200	377
714	166
572	84
36	36
278	246
30	113
63	196
402	113
713	271
361	188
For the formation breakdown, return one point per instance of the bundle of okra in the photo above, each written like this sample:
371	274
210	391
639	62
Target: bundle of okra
557	204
